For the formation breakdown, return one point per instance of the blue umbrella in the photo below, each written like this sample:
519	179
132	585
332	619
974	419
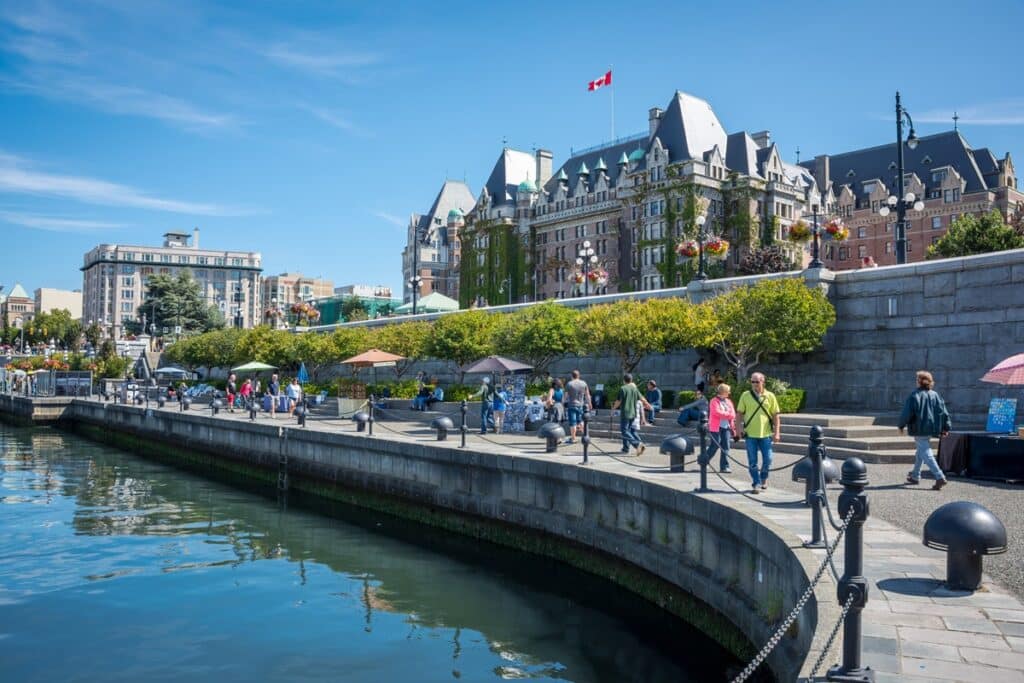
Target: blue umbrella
303	376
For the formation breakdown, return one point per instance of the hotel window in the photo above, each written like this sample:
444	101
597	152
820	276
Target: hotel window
889	227
148	258
862	232
843	253
126	307
238	261
128	270
127	256
910	246
127	282
127	294
936	222
183	259
888	247
938	176
862	250
202	260
165	258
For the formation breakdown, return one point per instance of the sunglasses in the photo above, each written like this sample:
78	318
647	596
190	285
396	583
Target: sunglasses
756	381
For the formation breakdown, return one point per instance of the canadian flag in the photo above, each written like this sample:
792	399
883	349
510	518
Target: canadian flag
601	82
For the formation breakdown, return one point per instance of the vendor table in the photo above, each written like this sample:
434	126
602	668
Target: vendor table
983	455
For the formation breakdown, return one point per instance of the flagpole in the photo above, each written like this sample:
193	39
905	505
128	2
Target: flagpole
611	70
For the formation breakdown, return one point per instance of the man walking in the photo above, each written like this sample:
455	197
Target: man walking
577	399
274	390
925	416
626	401
760	421
232	391
486	394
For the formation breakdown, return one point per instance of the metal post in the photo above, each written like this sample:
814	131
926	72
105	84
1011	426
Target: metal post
815	249
462	409
901	207
814	495
702	429
586	436
370	420
853	583
701	275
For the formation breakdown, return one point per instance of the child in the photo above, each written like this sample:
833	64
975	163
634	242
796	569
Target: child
499	406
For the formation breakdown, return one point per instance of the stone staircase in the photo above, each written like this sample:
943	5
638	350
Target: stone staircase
871	438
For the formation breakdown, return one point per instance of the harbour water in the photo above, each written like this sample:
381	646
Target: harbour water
116	568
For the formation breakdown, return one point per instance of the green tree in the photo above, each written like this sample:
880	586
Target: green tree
772	316
539	334
351	341
353	308
972	234
274	347
463	337
408	339
317	351
93	333
633	330
177	301
761	260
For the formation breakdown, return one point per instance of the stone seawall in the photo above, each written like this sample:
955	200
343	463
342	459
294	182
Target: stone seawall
22	410
663	543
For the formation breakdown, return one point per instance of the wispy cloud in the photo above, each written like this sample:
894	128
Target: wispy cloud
1004	113
336	64
57	224
17	177
119	99
335	120
392	218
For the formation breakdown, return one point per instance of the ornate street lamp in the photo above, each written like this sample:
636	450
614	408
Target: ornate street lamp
706	243
506	285
588	270
901	200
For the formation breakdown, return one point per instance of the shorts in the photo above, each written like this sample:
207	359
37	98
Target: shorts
700	387
574	415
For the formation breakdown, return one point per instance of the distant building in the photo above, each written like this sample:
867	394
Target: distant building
17	306
292	288
115	276
944	171
433	242
48	299
381	291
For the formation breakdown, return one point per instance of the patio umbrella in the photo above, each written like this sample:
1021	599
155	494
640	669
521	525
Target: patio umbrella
254	366
374	358
302	376
1009	371
497	364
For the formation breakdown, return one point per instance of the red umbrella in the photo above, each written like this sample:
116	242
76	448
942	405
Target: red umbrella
1009	371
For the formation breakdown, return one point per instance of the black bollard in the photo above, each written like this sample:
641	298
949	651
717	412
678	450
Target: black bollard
586	436
463	409
853	583
252	408
300	414
815	494
370	420
702	429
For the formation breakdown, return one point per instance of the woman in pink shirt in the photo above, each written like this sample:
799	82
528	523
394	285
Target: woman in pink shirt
721	426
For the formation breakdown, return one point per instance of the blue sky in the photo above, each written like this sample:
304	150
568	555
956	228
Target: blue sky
309	131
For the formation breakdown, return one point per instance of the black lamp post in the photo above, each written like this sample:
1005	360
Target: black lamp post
415	281
506	285
585	260
702	236
815	249
901	200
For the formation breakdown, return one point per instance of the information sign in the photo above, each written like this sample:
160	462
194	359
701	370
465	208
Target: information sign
1002	414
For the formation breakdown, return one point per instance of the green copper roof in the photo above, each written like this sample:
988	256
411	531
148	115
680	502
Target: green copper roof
583	169
637	154
455	213
527	186
600	165
562	176
623	159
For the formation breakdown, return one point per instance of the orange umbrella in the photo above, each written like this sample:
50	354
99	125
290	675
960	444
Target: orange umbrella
371	358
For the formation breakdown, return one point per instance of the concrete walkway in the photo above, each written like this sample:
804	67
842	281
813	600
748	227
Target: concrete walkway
914	628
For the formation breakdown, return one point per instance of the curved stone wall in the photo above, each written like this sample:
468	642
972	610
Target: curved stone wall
697	557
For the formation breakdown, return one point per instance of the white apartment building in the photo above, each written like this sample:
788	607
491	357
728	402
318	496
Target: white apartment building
49	299
114	278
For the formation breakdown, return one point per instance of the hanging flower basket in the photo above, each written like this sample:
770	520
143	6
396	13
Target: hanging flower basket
717	247
577	278
799	232
598	277
688	249
836	230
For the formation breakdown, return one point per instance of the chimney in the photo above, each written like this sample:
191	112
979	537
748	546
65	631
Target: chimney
195	238
653	119
762	139
544	158
822	172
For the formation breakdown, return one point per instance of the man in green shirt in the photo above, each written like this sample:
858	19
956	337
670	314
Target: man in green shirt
626	401
758	410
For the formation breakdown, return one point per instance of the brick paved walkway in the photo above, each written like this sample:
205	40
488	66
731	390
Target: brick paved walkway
914	628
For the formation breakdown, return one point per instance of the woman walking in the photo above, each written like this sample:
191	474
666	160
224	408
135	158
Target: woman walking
925	416
721	425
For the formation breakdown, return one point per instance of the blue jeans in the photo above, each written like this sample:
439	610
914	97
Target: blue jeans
629	434
764	444
419	403
721	439
486	417
923	456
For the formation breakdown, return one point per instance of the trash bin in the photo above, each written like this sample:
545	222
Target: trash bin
598	398
534	415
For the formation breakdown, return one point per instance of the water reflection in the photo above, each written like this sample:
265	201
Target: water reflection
176	575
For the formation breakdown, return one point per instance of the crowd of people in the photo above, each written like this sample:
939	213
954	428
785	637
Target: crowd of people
251	389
